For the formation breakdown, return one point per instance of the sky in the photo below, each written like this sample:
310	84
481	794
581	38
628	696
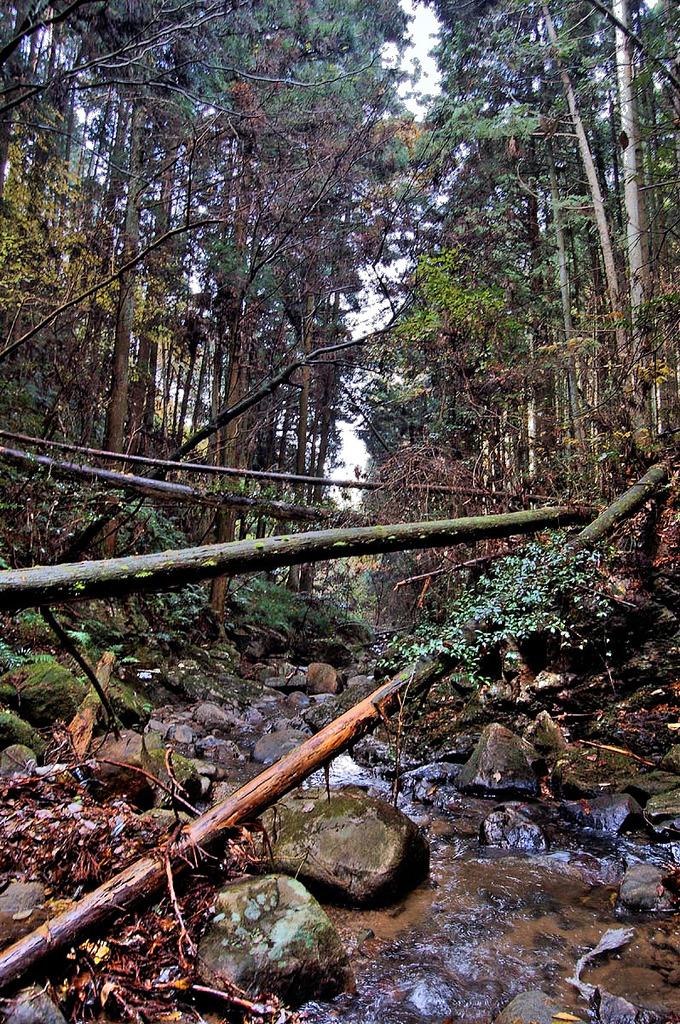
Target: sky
424	30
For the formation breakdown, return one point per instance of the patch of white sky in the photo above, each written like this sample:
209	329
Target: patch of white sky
416	92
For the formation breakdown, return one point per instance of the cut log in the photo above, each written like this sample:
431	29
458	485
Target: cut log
23	588
143	878
624	506
180	493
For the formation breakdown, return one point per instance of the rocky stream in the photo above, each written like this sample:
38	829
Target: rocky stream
531	876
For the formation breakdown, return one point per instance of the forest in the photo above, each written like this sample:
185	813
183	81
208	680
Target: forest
234	234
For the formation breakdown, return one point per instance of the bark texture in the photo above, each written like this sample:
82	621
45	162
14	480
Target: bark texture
110	577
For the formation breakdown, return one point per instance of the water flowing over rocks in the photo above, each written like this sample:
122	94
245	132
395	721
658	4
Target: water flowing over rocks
270	934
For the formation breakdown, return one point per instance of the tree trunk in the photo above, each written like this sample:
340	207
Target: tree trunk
181	493
624	506
23	588
147	875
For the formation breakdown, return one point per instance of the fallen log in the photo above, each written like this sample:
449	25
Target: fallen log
151	488
143	878
24	588
623	507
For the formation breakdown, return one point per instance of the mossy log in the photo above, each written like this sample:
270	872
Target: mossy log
22	588
624	506
150	488
147	875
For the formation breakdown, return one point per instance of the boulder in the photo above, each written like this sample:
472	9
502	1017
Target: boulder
664	810
588	772
500	764
214	717
22	908
642	889
545	734
14	730
649	784
17	759
535	1007
274	745
611	812
184	770
31	1006
112	776
353	848
270	935
127	704
322	678
671	760
45	691
507	828
320	715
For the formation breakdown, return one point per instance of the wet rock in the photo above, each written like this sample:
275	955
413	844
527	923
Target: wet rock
274	745
545	734
181	733
422	783
432	998
361	680
46	692
269	934
612	812
322	678
217	750
649	784
296	700
32	1006
613	1009
355	848
642	889
13	729
17	759
534	1007
508	829
664	810
501	763
671	760
587	772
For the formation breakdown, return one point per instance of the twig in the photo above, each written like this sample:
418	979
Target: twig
184	936
142	771
616	750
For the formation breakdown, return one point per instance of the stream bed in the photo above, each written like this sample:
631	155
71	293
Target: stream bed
490	923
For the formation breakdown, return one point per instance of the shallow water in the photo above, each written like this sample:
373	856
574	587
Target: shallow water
491	923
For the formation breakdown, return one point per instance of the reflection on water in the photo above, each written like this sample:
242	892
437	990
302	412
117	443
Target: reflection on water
490	924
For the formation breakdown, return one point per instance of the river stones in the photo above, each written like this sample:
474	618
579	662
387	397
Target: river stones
507	828
642	889
270	935
534	1007
352	848
501	764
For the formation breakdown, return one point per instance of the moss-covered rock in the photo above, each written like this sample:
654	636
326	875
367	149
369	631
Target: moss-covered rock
501	764
671	760
270	935
15	730
17	759
127	704
352	848
43	692
589	771
184	771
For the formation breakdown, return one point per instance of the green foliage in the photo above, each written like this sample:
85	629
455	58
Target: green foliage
264	603
543	589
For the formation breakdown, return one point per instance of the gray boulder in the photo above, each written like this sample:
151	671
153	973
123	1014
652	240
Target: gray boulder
270	935
509	829
322	678
642	889
274	745
353	848
501	764
533	1007
612	812
32	1006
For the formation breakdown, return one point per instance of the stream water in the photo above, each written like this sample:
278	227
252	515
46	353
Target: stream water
491	923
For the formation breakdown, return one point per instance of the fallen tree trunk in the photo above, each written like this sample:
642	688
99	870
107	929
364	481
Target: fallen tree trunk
265	474
624	506
143	878
181	493
23	588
